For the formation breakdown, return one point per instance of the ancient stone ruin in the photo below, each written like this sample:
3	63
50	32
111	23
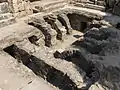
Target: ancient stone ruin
60	44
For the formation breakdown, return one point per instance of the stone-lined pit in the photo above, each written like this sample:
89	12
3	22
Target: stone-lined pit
78	59
46	25
78	22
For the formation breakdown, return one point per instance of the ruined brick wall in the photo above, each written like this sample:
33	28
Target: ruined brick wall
20	7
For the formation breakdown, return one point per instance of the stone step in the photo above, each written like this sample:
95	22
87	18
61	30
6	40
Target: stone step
54	3
6	16
56	6
48	6
4	8
7	22
96	7
91	6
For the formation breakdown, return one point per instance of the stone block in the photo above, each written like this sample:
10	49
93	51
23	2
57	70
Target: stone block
4	8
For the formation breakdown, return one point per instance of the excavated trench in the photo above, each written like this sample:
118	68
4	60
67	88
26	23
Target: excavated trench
82	47
42	69
79	60
71	22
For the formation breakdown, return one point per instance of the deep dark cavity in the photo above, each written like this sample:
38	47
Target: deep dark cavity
118	25
75	57
78	22
34	0
78	59
83	26
19	54
42	69
33	39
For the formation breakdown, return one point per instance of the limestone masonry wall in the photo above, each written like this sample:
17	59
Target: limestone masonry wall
20	7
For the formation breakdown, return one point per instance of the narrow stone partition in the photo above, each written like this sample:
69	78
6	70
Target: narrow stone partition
56	25
46	30
65	22
42	69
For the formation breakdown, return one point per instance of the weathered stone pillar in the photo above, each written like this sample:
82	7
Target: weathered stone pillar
20	7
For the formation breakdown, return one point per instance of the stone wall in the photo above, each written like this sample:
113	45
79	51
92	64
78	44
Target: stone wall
20	7
112	6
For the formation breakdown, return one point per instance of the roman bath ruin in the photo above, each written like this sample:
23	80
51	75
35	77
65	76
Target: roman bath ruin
59	44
